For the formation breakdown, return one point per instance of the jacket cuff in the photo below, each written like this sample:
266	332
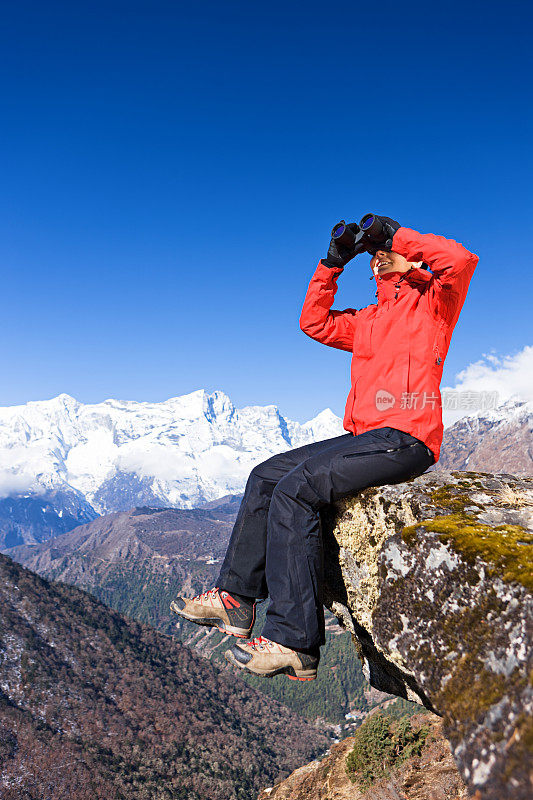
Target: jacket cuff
329	270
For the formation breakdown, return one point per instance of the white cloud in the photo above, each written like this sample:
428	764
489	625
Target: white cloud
150	460
13	483
508	376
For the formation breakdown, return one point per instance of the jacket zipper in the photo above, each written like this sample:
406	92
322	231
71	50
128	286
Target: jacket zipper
398	283
436	349
375	452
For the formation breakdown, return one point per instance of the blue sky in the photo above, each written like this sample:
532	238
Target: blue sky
171	173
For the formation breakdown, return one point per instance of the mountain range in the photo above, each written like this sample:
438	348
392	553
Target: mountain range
167	479
64	463
179	453
493	440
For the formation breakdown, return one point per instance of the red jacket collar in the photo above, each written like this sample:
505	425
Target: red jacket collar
388	284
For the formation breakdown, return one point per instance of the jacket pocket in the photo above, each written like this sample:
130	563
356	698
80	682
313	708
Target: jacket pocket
362	342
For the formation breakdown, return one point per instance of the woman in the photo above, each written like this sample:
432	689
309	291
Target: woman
393	420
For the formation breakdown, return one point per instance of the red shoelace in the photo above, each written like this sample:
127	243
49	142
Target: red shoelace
261	643
211	595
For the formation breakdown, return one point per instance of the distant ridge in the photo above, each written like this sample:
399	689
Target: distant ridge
496	440
138	561
151	553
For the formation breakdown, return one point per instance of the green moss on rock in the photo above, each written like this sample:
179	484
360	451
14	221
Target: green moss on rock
523	749
409	534
471	691
445	497
506	549
471	688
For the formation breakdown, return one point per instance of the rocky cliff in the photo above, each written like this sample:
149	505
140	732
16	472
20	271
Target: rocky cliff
433	578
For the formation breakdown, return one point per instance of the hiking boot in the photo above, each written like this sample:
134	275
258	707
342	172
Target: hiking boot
263	657
220	609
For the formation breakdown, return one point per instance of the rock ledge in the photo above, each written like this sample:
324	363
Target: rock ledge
433	579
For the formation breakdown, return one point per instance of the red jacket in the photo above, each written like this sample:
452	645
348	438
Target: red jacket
400	343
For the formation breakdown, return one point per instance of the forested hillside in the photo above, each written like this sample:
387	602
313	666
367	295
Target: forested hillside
137	561
113	709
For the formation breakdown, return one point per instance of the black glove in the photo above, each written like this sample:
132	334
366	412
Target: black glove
390	226
339	255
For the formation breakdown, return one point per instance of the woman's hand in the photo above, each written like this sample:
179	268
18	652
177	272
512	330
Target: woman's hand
339	255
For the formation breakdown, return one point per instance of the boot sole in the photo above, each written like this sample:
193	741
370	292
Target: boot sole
291	673
214	622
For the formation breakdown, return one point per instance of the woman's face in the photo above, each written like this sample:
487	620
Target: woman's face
388	261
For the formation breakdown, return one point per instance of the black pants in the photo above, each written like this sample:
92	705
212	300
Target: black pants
276	549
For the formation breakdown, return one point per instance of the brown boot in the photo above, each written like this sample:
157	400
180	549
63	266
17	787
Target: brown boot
220	609
263	657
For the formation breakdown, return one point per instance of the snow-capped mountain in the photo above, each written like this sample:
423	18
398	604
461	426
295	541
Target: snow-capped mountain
496	440
72	460
118	454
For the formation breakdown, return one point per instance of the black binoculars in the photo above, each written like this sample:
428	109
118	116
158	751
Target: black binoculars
370	233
